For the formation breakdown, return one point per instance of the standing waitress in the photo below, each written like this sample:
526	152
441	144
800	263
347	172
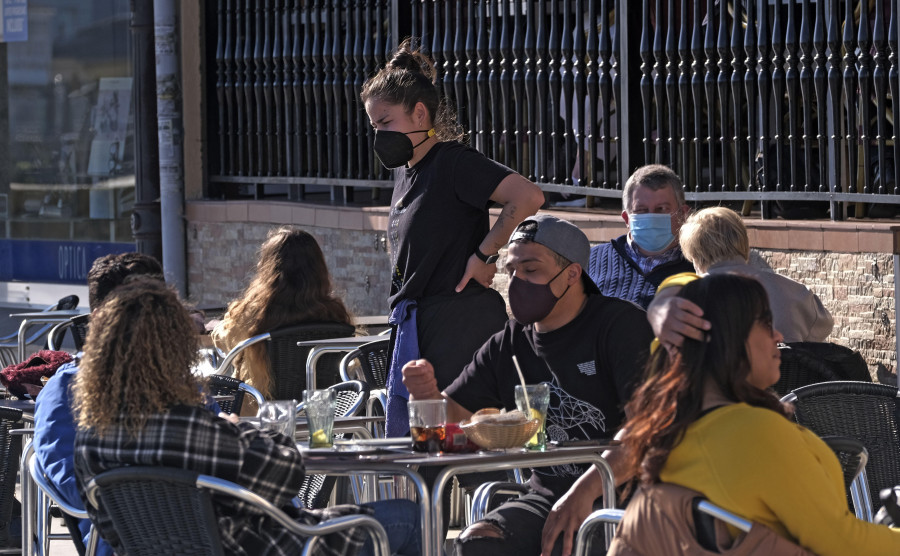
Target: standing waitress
443	249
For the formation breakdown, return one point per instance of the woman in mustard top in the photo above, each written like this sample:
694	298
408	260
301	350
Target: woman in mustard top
705	419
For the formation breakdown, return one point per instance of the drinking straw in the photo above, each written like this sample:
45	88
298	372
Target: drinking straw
524	388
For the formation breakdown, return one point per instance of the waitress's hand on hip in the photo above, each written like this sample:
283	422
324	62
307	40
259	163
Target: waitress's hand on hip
477	270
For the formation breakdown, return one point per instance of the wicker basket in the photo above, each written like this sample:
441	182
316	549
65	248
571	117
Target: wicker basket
496	436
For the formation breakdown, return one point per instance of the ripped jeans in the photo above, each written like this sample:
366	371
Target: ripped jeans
521	521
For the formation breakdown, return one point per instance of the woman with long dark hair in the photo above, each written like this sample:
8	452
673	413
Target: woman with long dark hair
292	285
706	419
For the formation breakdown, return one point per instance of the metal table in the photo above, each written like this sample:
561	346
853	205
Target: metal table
330	345
401	462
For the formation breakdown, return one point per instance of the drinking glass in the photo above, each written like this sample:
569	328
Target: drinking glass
279	416
426	424
539	401
320	417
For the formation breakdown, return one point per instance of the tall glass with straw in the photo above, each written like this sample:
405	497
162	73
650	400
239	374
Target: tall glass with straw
533	400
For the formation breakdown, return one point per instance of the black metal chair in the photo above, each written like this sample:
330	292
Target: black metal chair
867	412
372	361
10	454
350	400
804	363
159	510
221	385
287	360
77	326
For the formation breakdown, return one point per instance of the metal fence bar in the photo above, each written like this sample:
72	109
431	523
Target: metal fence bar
782	96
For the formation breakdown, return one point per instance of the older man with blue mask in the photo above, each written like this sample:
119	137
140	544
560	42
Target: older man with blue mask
631	266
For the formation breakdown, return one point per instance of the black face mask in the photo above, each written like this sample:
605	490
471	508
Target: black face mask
394	149
530	302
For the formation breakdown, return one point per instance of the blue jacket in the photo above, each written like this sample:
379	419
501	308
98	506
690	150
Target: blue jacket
54	440
617	275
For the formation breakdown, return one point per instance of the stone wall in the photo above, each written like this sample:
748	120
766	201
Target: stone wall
849	265
858	289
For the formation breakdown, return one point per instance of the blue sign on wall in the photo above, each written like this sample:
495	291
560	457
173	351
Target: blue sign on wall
15	20
64	262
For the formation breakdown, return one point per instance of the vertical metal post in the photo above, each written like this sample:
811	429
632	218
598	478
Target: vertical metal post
145	225
171	137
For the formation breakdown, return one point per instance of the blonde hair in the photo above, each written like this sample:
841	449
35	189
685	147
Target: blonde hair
137	359
712	235
291	286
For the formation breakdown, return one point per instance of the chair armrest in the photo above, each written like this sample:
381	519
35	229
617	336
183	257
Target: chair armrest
379	535
225	368
481	499
586	532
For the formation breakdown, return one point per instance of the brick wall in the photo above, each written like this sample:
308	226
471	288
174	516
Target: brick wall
849	265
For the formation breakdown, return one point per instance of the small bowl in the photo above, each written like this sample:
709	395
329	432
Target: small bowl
498	436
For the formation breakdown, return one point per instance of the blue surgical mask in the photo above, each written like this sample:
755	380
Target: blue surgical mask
652	232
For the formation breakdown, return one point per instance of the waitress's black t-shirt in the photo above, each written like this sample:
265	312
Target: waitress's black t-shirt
592	364
438	218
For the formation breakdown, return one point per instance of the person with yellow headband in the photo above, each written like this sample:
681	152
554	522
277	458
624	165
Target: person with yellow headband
443	248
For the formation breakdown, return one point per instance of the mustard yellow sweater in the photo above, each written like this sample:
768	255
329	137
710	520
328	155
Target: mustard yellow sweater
767	469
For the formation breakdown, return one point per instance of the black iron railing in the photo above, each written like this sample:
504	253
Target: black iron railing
763	100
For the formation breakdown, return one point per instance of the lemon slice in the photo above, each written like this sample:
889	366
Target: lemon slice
535	414
319	438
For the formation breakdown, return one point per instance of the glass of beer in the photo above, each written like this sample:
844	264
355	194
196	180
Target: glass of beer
538	402
426	424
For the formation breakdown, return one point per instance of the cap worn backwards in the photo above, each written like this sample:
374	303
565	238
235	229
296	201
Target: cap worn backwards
560	236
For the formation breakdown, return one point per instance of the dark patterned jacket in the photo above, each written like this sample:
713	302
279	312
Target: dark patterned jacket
194	438
617	275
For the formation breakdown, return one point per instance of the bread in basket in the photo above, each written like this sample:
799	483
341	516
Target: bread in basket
492	430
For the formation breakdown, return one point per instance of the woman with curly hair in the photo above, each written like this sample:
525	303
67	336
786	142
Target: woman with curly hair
291	286
137	403
705	419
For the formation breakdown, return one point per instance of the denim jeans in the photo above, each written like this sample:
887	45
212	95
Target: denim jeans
400	518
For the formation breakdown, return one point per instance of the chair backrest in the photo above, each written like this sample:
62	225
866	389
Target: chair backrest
10	452
154	510
78	326
865	411
287	360
221	385
804	363
141	509
373	362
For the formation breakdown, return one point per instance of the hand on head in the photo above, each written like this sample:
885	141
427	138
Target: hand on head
674	318
418	377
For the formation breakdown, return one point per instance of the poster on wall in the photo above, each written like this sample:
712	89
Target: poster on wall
14	16
110	124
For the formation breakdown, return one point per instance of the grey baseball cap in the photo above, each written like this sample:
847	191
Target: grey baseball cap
560	236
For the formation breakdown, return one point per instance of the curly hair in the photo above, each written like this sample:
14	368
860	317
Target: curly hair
409	77
291	286
137	358
670	398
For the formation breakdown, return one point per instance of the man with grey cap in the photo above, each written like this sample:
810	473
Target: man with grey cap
591	350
